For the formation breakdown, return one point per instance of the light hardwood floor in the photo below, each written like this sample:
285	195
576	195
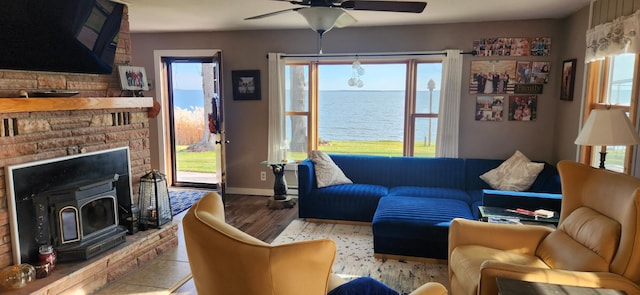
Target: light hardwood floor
251	215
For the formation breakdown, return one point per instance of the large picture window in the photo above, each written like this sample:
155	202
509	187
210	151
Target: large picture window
369	107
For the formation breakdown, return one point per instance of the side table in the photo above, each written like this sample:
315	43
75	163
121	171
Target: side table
280	199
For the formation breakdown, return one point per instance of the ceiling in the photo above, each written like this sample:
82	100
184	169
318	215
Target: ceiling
226	15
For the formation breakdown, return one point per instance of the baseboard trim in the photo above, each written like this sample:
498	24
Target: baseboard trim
249	191
258	192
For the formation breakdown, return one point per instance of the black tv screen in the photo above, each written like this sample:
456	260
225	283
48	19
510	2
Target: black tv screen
77	36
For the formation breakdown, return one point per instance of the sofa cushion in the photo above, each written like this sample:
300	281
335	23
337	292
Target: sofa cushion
364	169
414	226
516	173
585	241
327	172
430	192
355	202
426	172
548	181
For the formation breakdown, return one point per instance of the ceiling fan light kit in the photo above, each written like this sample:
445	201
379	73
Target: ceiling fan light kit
323	19
323	15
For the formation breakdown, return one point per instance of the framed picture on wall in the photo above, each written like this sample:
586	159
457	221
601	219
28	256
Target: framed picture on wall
246	84
523	107
568	79
133	78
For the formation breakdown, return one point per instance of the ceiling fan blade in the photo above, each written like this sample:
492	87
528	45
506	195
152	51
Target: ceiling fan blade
393	6
271	14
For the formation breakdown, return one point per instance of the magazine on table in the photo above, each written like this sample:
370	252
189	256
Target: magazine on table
503	219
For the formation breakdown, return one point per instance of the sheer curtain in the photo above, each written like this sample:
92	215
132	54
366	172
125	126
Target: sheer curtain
276	138
622	35
449	117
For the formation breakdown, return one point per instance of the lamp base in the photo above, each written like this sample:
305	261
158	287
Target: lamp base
603	156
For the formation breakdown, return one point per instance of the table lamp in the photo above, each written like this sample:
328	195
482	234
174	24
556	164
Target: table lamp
607	127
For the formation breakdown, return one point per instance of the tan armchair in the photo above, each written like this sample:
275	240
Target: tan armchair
225	260
596	243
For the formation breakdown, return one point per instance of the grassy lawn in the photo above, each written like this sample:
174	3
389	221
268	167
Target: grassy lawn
378	148
195	161
206	161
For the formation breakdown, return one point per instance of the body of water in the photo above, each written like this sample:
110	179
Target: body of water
371	115
354	114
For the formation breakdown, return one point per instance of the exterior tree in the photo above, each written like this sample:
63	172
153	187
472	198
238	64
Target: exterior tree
207	140
298	104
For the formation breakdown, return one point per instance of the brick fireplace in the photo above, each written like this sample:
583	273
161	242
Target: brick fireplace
32	136
38	129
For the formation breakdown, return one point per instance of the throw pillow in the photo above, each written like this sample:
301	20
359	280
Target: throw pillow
363	286
327	172
515	174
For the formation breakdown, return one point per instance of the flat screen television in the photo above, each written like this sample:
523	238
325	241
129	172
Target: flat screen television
77	36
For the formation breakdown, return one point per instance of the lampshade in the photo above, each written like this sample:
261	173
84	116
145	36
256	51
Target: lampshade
323	19
607	128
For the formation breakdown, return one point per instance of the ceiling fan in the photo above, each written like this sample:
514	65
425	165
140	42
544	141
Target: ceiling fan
323	15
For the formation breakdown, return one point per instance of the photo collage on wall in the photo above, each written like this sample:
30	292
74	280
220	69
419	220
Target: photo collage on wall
539	46
489	108
509	85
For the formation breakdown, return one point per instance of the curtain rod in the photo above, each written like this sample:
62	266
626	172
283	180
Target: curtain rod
329	55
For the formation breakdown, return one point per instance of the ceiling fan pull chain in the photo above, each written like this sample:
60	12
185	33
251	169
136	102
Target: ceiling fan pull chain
320	42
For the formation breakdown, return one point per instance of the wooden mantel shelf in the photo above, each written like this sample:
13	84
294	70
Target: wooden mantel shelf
49	104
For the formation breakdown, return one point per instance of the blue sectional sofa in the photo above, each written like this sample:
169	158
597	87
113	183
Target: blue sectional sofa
411	201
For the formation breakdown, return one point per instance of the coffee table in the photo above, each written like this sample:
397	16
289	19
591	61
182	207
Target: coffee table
486	211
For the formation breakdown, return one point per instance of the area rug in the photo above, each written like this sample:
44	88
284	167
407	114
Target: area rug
355	259
182	199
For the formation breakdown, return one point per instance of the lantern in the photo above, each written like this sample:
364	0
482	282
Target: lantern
153	201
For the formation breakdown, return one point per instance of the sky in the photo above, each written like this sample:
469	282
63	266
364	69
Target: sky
187	76
332	77
376	77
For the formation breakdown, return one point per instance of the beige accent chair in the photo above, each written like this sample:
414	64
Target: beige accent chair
596	243
225	260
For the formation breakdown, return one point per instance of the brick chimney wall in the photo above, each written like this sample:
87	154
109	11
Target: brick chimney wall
45	135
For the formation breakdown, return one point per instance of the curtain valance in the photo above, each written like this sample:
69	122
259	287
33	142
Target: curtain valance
613	38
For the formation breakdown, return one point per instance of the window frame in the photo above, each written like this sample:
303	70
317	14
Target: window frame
410	114
596	97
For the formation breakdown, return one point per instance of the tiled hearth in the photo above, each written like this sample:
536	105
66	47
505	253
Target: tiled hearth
88	276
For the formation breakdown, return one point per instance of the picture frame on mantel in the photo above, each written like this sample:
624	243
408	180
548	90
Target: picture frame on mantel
246	84
133	78
568	79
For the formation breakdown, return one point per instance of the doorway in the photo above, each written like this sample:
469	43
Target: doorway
193	92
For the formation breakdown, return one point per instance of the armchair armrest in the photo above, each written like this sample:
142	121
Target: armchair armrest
298	268
525	200
430	288
512	237
306	178
490	270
